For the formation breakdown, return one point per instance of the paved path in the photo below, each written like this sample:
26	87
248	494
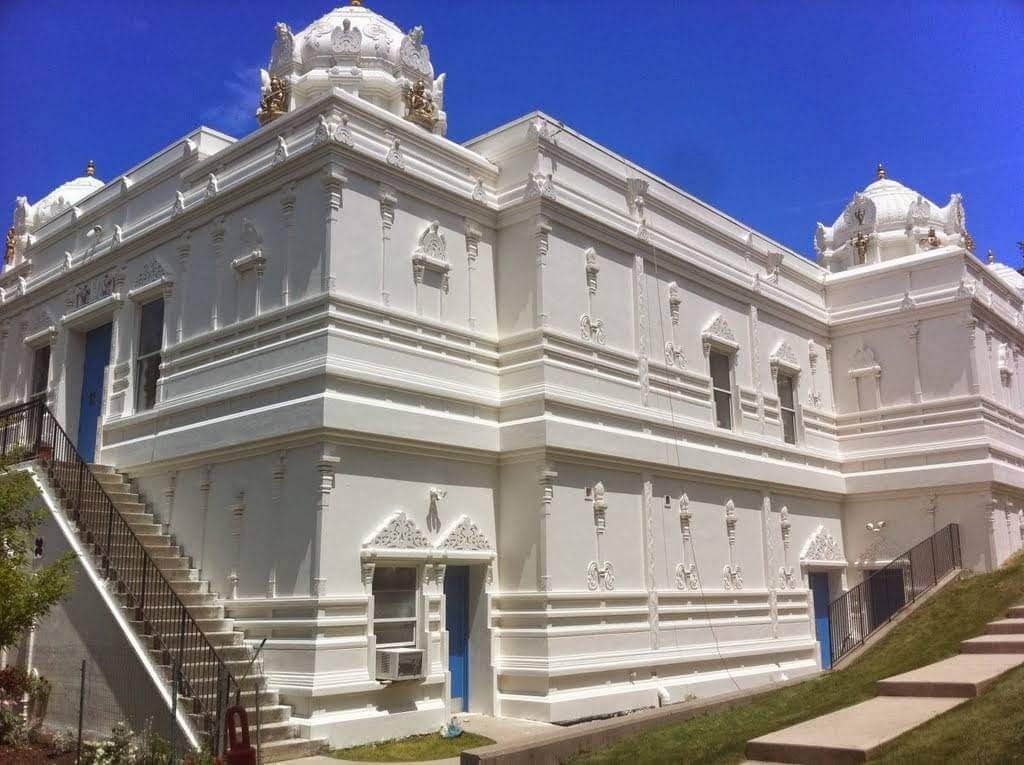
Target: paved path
501	729
905	701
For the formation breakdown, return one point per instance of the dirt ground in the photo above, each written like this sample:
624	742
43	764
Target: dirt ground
34	754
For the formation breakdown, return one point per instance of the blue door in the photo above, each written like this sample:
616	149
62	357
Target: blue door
456	594
97	356
820	592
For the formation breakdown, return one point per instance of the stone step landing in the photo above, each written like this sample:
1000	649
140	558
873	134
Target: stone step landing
964	676
851	735
905	701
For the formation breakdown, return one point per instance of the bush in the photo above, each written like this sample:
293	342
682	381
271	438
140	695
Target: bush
65	741
117	749
13	731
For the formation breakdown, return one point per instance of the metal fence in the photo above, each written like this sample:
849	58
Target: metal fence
858	612
30	431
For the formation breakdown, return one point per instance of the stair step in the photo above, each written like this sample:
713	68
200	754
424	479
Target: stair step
1016	612
850	735
963	676
994	644
278	751
205	625
277	736
1006	627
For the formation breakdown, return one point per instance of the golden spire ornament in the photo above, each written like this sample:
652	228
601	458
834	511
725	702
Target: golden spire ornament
90	168
881	171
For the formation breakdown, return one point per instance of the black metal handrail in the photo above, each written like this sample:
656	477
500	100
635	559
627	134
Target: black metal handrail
31	431
858	612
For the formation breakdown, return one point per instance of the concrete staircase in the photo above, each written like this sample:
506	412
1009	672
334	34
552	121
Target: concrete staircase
278	739
905	701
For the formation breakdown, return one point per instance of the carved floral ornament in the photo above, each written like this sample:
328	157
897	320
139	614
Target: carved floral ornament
864	363
400	534
783	357
822	547
719	333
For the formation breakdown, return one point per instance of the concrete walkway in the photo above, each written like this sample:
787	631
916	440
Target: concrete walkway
905	701
501	729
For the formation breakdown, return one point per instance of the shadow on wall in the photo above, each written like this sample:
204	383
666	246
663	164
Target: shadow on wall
117	686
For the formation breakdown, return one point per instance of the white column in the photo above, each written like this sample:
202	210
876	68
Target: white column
547	494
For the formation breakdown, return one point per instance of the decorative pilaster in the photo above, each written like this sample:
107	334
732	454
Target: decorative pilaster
913	333
4	332
971	325
787	575
388	200
828	370
333	180
238	519
648	537
184	248
767	541
169	492
288	197
205	484
732	573
472	252
277	477
327	467
217	239
642	330
755	362
542	228
546	480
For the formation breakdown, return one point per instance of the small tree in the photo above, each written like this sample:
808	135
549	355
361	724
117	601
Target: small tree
25	595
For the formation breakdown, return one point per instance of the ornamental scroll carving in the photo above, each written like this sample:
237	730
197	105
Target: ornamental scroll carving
718	332
399	531
822	546
464	535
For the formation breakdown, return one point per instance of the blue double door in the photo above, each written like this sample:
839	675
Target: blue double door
821	596
97	357
456	594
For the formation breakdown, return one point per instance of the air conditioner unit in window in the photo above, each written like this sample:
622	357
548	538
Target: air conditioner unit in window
399	663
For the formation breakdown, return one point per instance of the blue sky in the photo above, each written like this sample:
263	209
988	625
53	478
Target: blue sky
775	112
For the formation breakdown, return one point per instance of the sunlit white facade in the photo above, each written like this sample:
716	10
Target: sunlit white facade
638	424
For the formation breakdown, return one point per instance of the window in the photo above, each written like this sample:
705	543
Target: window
787	409
394	606
147	369
40	372
721	384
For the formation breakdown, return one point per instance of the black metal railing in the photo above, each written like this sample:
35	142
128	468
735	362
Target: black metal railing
196	671
858	612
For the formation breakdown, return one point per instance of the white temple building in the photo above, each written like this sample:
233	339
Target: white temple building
512	426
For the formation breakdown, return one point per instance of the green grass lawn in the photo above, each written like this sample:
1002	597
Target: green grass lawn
429	746
934	632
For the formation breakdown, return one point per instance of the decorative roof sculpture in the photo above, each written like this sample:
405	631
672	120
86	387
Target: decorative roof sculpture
359	51
888	220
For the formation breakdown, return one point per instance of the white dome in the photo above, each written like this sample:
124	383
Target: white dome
31	216
894	217
360	51
355	35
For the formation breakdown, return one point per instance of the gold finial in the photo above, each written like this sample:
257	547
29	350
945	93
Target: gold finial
881	171
991	257
90	169
356	3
